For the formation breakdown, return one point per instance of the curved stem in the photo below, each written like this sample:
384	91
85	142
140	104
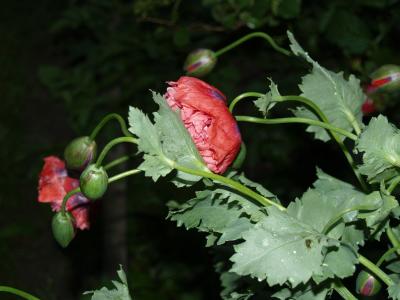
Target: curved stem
343	291
105	120
117	161
231	183
323	118
249	36
111	144
392	237
386	255
123	175
243	96
375	270
340	215
393	184
67	196
296	120
18	292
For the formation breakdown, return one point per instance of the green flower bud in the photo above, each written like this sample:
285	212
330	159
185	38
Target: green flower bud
93	182
200	62
80	152
238	162
63	228
367	285
386	78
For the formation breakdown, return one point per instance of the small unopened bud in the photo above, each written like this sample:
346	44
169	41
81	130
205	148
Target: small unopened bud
386	78
200	62
63	228
93	182
368	107
80	152
367	285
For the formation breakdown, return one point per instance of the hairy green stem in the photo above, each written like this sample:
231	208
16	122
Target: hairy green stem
249	36
393	184
375	270
14	291
66	197
243	96
324	119
111	144
123	175
343	291
105	120
231	183
386	255
117	161
296	120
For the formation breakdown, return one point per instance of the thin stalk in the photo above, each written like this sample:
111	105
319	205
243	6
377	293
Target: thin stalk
297	120
117	162
111	144
231	183
243	96
393	238
324	119
343	291
14	291
249	36
123	175
105	120
66	197
375	270
386	255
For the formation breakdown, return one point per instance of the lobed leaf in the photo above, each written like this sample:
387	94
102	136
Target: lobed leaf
339	99
266	102
380	144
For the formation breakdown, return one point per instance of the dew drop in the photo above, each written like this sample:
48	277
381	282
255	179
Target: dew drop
259	279
265	243
294	251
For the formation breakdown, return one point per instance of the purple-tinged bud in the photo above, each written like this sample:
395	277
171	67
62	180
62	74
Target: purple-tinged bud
63	228
386	78
200	62
367	285
80	152
93	182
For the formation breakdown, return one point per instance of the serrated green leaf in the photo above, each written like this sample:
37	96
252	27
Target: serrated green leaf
266	102
165	143
230	284
394	291
380	144
340	263
309	291
120	292
211	214
280	248
339	99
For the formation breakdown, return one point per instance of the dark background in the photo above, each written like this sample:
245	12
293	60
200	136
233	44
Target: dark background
65	64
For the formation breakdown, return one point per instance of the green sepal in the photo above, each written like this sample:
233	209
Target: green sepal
80	152
63	228
93	182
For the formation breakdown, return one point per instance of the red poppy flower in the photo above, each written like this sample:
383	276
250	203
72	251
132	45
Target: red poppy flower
54	184
207	118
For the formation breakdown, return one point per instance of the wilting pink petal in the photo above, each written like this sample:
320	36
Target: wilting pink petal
54	184
205	114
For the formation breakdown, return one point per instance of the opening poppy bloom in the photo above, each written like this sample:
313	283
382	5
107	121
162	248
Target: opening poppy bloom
54	184
205	115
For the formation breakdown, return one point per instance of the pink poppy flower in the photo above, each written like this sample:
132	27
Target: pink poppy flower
207	118
54	184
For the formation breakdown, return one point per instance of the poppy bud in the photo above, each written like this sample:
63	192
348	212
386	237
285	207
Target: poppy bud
386	78
63	228
367	285
80	152
368	107
200	62
93	182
